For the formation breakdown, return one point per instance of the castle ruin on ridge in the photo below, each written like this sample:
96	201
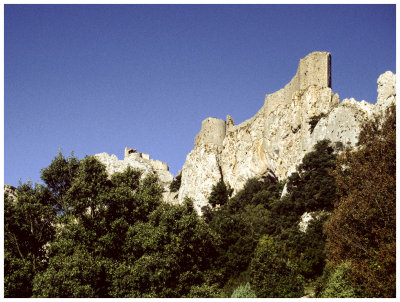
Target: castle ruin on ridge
271	143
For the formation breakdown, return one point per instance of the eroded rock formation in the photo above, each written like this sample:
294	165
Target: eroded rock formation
140	161
276	139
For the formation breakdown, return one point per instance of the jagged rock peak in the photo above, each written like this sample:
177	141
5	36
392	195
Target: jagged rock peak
278	136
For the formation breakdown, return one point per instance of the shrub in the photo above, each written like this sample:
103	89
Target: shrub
176	183
204	291
338	284
244	291
314	121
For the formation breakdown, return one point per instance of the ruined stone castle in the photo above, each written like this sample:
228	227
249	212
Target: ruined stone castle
273	142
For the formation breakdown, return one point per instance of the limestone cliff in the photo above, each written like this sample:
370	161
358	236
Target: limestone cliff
140	161
276	139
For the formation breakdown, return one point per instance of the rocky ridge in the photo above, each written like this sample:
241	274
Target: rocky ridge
140	161
271	143
275	140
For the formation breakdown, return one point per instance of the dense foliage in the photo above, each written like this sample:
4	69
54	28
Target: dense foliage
337	284
85	234
362	229
28	227
220	194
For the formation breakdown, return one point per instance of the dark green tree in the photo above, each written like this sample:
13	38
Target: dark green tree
271	276
239	224
89	184
58	177
312	187
168	254
75	275
121	240
220	193
28	226
314	121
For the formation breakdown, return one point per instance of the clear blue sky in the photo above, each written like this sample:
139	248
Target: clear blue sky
98	78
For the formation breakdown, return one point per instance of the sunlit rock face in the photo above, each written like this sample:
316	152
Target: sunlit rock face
11	193
142	162
275	140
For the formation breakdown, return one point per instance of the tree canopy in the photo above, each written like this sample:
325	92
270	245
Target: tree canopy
362	229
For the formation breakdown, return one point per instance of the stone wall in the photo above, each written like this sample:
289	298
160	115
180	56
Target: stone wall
315	70
212	132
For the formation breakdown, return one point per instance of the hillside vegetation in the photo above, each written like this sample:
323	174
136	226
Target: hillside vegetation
84	234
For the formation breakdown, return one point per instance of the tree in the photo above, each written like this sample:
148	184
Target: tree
28	226
338	285
76	275
168	254
271	276
91	235
220	193
90	182
314	121
362	229
239	224
58	177
312	187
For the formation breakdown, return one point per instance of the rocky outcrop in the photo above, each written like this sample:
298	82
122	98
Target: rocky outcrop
202	167
10	192
139	161
386	91
276	139
308	217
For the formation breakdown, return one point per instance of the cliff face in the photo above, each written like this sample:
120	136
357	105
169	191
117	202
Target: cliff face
276	139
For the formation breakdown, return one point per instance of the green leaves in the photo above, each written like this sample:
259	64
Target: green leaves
363	225
77	275
312	187
220	193
243	291
58	177
168	253
338	284
271	276
86	234
28	226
